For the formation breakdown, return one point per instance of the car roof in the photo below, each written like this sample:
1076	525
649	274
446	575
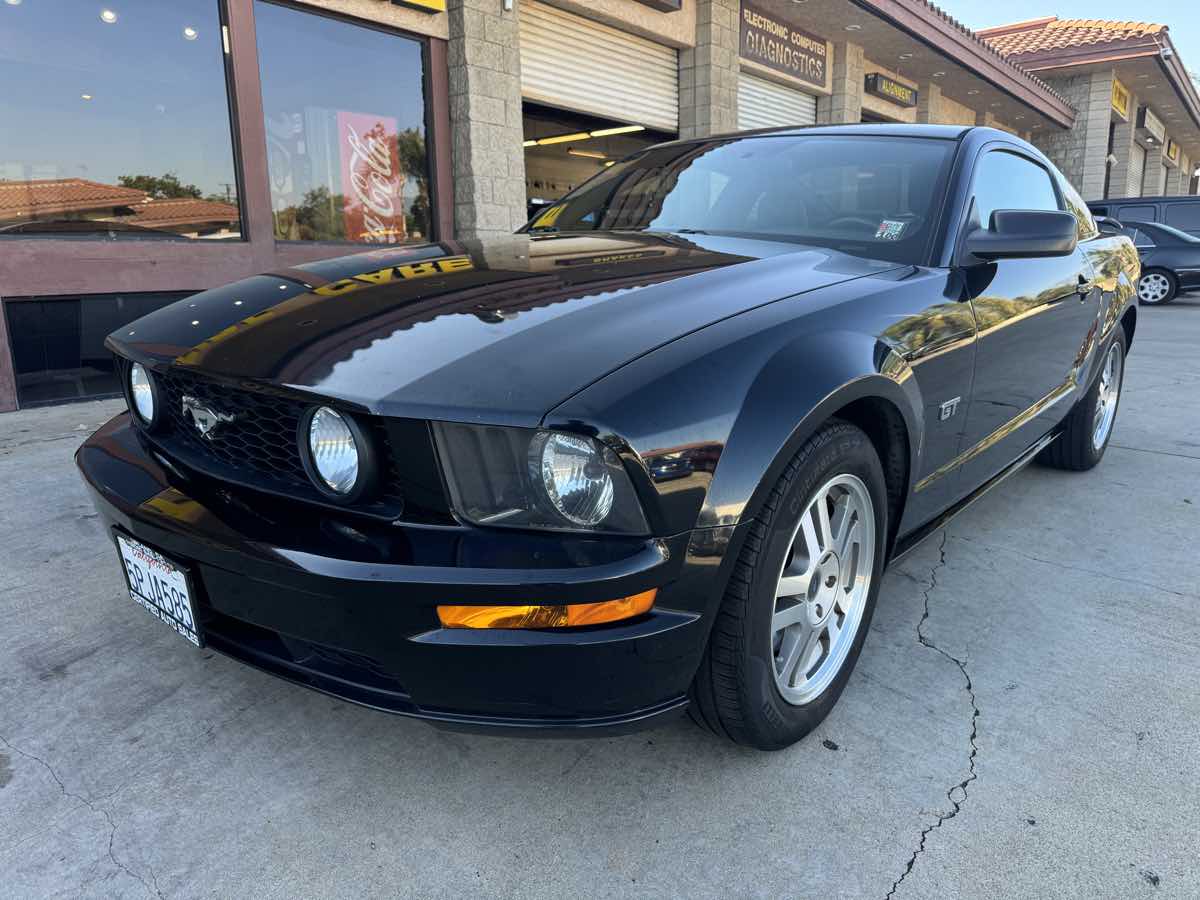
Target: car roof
1135	201
873	129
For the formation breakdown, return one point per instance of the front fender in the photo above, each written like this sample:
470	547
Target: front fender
800	388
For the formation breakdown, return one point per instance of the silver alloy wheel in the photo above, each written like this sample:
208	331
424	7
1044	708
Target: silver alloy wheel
1153	287
1106	400
822	588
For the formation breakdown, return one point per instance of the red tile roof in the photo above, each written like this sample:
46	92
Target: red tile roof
63	195
1052	33
165	213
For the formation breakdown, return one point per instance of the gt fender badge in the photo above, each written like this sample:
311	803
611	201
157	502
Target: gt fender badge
949	408
205	418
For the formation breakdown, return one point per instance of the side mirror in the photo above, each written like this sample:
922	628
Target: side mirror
1024	234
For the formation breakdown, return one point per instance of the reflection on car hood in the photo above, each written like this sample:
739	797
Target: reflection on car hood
496	332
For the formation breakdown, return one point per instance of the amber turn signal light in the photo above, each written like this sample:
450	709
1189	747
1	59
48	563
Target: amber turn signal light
565	616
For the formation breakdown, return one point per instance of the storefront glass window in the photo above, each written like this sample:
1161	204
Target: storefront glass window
345	117
116	121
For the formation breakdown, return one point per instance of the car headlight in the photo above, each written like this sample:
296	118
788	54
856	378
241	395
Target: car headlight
336	453
142	393
525	478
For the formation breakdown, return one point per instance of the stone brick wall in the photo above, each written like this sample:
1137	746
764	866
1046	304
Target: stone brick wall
708	72
844	103
487	157
1080	152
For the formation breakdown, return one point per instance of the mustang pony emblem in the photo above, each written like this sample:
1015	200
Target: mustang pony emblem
205	418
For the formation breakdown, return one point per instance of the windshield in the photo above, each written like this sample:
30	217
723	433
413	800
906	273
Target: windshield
871	196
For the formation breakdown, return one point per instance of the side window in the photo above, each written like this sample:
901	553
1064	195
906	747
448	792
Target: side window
1100	210
1142	239
1184	216
1136	213
1005	180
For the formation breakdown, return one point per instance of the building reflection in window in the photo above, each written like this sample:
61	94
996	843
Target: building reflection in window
118	125
345	117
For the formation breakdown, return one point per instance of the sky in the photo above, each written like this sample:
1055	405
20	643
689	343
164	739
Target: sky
1182	16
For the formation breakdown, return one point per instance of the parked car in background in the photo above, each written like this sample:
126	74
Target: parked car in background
1181	211
1170	258
652	453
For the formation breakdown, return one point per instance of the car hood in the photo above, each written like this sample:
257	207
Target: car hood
498	332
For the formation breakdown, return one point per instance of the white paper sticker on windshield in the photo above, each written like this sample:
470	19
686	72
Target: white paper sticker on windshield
890	230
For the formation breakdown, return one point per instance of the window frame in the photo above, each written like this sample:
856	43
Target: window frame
437	229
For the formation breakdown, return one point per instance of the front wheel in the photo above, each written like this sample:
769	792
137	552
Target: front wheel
1156	287
797	608
1088	428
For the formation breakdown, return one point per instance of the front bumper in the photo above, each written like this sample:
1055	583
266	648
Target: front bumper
349	607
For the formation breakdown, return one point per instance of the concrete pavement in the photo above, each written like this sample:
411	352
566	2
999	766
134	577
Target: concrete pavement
1022	723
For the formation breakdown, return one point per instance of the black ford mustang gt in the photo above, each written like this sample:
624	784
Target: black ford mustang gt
652	453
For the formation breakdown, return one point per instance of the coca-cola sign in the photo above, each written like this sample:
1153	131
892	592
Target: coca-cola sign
372	180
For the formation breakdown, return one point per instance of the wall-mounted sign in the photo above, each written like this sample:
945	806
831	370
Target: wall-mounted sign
1150	130
663	5
1171	154
430	6
1120	100
769	41
879	85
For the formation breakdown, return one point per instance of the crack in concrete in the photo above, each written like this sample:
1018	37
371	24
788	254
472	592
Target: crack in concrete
1155	452
957	794
112	824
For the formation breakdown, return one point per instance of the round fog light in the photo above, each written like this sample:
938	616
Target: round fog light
141	392
333	451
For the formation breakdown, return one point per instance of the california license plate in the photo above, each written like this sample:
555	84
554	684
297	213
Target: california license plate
159	586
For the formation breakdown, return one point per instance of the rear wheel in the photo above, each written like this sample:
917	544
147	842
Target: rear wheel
1087	430
796	611
1156	287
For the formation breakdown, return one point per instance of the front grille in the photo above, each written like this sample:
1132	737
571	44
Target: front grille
259	449
262	436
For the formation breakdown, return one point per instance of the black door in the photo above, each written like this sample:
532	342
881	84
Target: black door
1034	317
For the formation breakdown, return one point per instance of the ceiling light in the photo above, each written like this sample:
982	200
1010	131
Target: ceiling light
611	162
854	28
85	96
590	154
529	144
620	129
13	2
107	16
997	103
190	33
1020	117
565	138
939	74
906	56
972	93
1154	85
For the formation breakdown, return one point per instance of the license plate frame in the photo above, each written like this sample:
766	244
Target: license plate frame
175	604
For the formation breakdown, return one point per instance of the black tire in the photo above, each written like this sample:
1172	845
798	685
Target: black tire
1074	449
734	693
1172	287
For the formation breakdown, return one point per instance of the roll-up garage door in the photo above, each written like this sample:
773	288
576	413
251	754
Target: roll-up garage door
577	64
765	104
1137	165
